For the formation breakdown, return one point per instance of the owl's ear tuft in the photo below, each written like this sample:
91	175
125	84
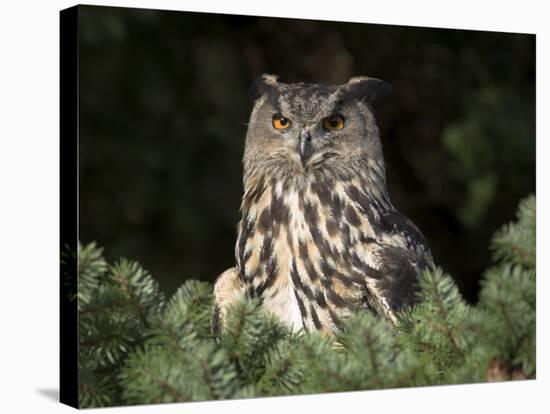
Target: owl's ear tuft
365	88
261	85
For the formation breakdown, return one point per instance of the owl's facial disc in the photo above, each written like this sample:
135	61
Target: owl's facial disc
302	128
315	141
307	142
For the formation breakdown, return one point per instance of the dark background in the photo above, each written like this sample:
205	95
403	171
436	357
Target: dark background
164	106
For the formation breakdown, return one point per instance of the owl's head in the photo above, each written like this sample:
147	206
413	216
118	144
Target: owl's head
298	128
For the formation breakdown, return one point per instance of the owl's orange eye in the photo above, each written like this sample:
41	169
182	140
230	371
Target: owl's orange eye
333	122
280	122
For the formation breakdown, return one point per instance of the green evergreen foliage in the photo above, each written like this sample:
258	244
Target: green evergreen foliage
515	242
137	348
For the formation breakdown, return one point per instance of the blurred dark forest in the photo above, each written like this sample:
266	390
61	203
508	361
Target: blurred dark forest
164	106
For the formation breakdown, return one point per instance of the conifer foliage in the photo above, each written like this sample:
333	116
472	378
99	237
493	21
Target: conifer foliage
136	347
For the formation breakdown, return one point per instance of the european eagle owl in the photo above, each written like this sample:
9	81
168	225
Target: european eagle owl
319	237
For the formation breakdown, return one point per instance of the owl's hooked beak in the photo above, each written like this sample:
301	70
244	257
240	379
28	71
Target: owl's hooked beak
305	147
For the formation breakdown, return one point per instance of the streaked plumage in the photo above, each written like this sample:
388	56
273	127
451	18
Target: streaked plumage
319	236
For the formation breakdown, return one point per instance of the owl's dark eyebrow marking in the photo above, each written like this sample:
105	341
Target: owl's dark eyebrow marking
338	106
274	102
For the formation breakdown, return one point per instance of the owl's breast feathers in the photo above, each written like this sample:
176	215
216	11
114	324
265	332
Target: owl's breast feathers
313	249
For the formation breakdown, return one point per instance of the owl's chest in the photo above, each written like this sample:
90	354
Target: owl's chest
293	253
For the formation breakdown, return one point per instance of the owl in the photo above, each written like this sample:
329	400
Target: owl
319	238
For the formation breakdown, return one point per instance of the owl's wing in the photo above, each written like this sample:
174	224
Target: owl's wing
401	253
398	230
395	284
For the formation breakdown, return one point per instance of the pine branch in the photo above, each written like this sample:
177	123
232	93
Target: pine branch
516	242
249	334
140	289
284	370
91	269
438	325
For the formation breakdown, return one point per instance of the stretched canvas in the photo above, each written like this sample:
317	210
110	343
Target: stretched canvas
258	206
